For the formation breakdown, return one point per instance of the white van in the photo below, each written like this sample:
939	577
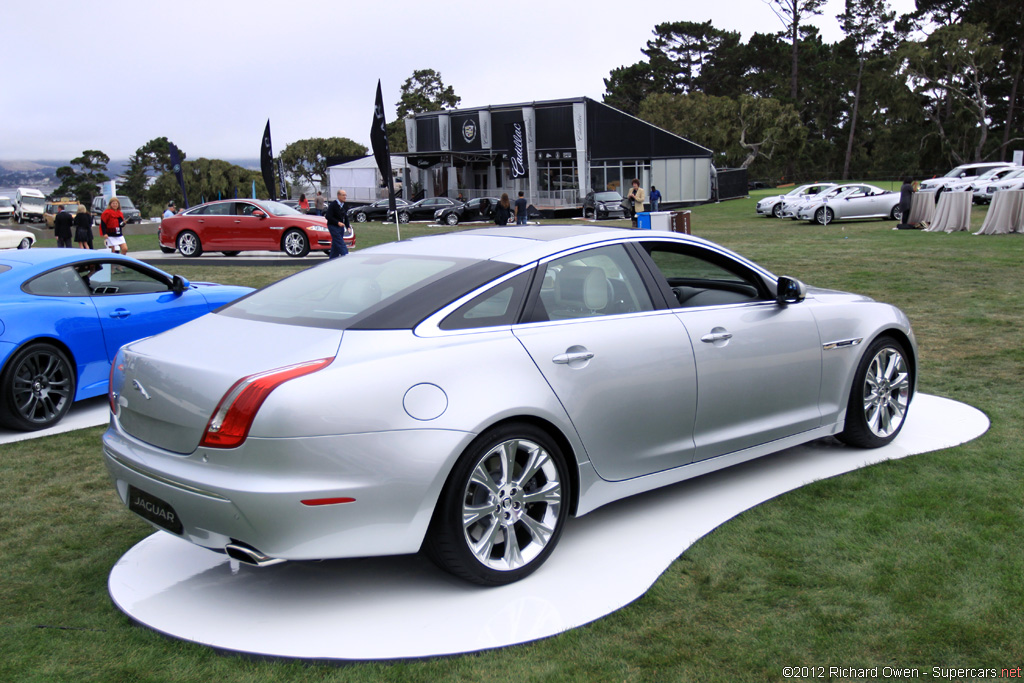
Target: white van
28	205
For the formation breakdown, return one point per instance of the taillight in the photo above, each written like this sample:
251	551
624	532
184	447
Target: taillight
116	366
233	417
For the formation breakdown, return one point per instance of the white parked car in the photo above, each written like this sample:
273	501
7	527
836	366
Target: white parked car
6	208
16	239
1013	180
961	175
772	206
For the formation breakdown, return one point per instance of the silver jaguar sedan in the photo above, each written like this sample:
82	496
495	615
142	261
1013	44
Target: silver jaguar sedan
464	393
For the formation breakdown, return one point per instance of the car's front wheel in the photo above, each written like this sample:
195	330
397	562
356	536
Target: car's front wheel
503	508
777	211
452	219
37	388
403	216
295	244
189	244
360	217
880	396
897	213
823	215
25	243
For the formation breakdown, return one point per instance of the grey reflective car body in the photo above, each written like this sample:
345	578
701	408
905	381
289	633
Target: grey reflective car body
773	206
682	360
852	201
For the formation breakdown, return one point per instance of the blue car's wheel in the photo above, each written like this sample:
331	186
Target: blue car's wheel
38	388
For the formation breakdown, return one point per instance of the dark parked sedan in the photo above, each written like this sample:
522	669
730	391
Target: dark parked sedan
374	212
603	205
479	209
424	209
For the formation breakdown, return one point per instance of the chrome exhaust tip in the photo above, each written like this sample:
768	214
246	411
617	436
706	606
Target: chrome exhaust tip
249	555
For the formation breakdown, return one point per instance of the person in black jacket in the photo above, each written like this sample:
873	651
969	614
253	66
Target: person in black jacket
503	211
83	227
337	222
62	227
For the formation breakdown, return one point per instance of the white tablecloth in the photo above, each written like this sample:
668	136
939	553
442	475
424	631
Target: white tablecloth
1005	215
922	208
952	213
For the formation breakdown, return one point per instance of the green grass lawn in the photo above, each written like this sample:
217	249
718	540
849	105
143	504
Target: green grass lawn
912	563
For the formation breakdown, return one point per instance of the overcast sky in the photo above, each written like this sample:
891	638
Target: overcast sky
114	74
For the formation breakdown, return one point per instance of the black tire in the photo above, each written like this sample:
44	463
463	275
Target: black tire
897	213
541	498
360	217
25	243
166	250
824	215
231	253
37	388
880	396
189	245
777	210
403	216
295	243
452	219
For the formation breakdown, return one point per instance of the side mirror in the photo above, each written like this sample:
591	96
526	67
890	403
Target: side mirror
789	290
179	284
259	214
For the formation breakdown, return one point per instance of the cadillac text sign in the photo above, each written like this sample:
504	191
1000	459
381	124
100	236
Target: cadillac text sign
515	132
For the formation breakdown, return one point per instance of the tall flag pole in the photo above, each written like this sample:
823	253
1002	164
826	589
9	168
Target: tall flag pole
382	153
176	167
267	163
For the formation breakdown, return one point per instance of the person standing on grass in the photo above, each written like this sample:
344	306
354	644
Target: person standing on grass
111	223
83	227
521	209
337	223
62	227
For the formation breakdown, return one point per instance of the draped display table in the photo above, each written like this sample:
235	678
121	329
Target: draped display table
1005	215
922	208
952	213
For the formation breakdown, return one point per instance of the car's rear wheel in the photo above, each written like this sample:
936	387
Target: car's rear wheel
25	243
295	243
189	244
452	219
37	388
360	217
823	215
503	508
403	216
880	396
897	213
777	211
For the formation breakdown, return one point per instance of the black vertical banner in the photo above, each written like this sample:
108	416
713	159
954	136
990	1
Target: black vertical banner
267	163
381	148
515	134
176	167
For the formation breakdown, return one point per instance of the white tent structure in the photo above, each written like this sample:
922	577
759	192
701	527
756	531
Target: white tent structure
361	179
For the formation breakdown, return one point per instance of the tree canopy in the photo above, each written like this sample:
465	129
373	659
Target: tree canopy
81	178
309	159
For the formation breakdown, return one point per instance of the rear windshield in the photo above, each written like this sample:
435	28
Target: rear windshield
339	292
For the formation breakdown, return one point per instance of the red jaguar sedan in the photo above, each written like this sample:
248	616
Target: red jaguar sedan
231	226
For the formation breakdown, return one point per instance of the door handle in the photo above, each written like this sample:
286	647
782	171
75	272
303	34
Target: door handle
566	358
712	337
120	313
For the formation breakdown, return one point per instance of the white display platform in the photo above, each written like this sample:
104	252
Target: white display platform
404	607
88	413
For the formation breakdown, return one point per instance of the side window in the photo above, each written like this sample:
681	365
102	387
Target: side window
244	208
499	305
223	209
116	278
702	278
60	282
588	284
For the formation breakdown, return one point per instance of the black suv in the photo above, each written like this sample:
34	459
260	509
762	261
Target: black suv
131	214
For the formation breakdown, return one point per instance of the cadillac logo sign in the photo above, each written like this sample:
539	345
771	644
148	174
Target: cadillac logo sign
469	130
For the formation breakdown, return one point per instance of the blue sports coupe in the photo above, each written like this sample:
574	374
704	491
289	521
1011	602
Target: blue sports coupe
64	313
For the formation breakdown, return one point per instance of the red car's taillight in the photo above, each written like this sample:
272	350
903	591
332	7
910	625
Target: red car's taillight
233	417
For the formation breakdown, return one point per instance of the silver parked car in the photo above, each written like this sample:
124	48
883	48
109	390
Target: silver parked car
772	206
464	393
851	201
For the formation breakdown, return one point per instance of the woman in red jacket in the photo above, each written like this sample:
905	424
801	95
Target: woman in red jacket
111	222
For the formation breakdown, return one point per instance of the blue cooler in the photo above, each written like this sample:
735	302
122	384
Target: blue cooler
643	220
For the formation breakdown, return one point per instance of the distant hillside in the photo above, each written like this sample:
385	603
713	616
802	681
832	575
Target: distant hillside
42	173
